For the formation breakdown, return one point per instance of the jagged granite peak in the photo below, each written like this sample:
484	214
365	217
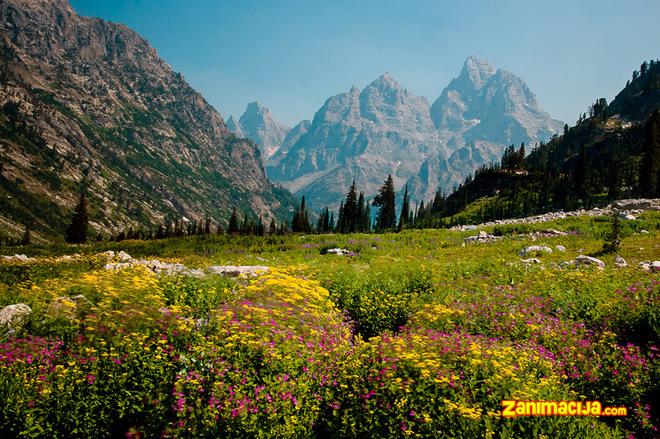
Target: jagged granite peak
363	135
258	124
490	105
482	111
292	136
88	103
476	72
235	127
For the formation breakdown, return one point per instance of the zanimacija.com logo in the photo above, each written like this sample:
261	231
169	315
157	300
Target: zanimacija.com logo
514	408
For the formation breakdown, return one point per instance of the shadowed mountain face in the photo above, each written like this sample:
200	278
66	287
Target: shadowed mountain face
363	135
88	103
368	134
258	124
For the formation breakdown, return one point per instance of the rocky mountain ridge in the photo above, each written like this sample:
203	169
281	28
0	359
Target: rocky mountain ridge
87	104
258	124
363	135
383	129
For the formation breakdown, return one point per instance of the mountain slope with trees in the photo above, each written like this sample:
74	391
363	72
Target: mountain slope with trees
88	106
612	152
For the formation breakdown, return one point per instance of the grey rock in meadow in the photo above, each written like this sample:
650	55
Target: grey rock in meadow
238	270
13	317
552	232
19	258
116	266
627	216
637	204
535	249
620	262
644	232
482	236
109	255
589	260
530	261
124	257
338	252
650	265
560	248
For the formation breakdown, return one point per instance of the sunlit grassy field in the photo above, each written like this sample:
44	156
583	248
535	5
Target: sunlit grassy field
417	334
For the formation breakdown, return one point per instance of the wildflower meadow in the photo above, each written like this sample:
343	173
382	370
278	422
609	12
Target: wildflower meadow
415	334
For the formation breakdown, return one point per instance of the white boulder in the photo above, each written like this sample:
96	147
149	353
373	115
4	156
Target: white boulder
238	270
13	317
534	249
620	262
589	260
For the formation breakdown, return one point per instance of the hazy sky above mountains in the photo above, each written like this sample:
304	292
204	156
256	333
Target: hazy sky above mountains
291	55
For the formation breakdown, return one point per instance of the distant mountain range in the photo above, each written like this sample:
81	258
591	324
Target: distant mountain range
88	105
258	124
384	129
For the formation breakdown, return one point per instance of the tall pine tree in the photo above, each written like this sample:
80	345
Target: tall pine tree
386	203
233	227
405	211
76	233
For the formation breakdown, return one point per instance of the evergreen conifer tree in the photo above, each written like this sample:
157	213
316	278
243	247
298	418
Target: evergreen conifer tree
26	240
405	211
77	230
386	203
233	227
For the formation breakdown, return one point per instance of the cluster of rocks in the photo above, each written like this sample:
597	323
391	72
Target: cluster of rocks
17	258
627	209
124	260
650	265
339	252
482	237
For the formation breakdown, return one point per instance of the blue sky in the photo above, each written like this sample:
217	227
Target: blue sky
292	55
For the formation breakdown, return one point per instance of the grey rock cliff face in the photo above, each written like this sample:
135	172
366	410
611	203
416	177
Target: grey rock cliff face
477	116
363	135
383	129
258	124
88	102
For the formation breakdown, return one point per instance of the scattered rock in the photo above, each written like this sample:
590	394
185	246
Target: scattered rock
238	270
620	262
551	232
588	260
650	266
535	249
20	258
116	266
109	255
632	207
560	248
468	228
482	237
13	317
638	204
643	231
627	216
531	261
339	252
123	256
